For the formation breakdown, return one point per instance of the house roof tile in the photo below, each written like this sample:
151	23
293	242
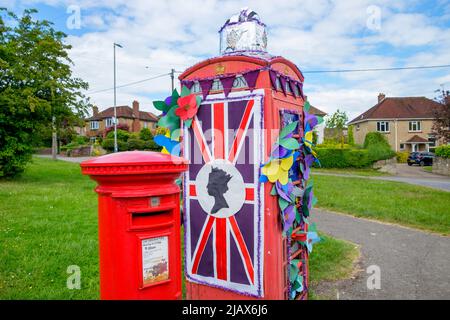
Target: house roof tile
401	108
417	138
123	112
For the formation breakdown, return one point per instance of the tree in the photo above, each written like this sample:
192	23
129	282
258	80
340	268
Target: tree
335	125
441	122
36	85
337	120
351	137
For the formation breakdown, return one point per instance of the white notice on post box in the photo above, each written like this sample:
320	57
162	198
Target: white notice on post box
155	260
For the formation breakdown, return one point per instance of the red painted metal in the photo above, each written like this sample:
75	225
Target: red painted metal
137	200
275	252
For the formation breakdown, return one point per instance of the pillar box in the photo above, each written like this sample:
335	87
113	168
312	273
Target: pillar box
139	224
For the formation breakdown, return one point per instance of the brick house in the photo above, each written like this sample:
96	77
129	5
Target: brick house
132	118
405	121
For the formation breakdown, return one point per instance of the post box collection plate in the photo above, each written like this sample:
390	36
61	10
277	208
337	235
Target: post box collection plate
155	260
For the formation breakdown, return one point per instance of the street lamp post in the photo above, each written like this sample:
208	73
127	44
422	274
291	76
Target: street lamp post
115	104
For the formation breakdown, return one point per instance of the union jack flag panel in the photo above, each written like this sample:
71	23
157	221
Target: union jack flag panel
223	198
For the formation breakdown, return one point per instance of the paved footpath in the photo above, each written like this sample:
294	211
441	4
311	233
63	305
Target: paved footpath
68	159
413	264
412	175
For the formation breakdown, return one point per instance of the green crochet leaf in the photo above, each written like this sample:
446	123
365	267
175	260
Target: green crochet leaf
288	129
161	106
290	143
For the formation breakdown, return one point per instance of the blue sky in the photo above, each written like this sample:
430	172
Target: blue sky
316	35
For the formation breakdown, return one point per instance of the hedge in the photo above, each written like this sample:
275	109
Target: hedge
443	151
343	158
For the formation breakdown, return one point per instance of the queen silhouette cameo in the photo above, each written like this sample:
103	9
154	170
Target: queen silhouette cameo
217	187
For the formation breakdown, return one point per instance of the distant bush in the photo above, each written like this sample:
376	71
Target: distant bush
121	135
80	140
135	144
108	144
443	151
151	145
145	134
402	156
350	136
378	147
343	158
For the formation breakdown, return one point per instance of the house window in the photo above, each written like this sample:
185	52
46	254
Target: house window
145	125
402	146
357	127
94	125
239	82
109	122
432	140
414	126
383	126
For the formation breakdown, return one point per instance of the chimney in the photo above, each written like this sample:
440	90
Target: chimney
136	123
136	109
94	111
381	97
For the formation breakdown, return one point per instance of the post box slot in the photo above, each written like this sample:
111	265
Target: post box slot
151	219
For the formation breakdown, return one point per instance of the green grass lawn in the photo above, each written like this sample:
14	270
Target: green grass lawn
366	172
428	169
396	202
331	260
48	221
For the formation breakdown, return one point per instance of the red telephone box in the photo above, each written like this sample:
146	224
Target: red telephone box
235	247
139	224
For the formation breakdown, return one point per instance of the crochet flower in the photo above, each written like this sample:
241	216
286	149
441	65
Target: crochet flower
187	107
278	169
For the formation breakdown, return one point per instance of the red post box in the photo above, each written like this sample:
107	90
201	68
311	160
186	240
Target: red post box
139	224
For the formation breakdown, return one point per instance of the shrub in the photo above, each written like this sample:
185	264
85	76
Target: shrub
151	145
145	134
402	156
343	158
443	151
135	144
122	135
108	144
80	140
351	139
378	147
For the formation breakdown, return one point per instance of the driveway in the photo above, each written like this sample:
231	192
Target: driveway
413	175
413	264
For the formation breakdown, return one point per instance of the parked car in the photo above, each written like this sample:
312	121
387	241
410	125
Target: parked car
420	158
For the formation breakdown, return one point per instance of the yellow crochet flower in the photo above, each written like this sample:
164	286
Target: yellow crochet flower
308	142
278	169
164	150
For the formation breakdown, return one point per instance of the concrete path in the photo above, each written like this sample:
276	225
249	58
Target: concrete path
413	264
412	175
68	159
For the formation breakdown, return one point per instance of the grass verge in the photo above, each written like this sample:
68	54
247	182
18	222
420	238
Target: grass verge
48	222
331	260
365	172
396	202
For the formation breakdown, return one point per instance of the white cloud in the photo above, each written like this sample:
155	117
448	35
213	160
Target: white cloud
315	34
